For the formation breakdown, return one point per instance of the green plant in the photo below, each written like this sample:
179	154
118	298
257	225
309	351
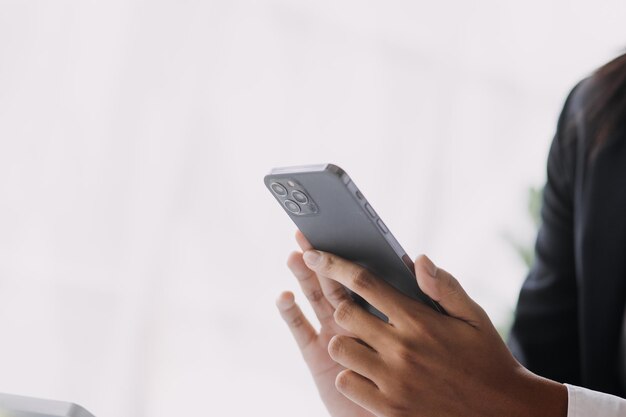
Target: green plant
525	249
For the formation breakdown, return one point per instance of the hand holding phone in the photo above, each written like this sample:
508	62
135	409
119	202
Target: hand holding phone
334	216
418	363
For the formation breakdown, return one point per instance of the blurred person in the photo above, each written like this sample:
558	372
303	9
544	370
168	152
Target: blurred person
570	314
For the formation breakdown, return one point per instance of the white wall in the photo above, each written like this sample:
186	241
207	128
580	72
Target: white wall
140	254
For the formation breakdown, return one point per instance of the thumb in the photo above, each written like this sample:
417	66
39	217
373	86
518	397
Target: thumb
442	287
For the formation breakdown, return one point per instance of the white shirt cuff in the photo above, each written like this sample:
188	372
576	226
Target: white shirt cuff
583	402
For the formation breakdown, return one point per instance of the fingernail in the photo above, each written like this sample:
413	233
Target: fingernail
430	267
312	257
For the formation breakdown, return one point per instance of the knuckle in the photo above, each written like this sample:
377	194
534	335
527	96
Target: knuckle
419	327
361	279
406	352
344	311
327	264
481	312
315	296
422	325
452	286
296	322
303	277
338	295
427	337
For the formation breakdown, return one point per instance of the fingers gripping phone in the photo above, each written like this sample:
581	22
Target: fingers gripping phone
331	212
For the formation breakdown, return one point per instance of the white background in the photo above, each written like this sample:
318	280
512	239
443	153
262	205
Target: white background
140	254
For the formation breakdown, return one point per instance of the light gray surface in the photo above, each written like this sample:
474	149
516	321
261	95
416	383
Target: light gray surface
19	406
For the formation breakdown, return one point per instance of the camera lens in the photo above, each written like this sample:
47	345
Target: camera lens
292	206
300	197
279	189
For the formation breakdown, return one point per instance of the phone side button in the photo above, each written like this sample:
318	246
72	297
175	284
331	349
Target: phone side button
382	226
370	210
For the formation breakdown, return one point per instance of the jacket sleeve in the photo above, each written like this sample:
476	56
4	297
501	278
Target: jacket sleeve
544	336
582	402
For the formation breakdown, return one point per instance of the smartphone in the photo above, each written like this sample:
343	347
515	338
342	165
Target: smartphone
334	215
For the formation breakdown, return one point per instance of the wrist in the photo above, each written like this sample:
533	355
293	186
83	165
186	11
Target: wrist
542	397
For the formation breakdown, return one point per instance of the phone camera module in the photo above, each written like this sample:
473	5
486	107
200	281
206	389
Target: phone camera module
292	206
279	189
300	197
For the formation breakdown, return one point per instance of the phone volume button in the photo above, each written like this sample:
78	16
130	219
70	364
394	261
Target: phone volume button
382	226
370	210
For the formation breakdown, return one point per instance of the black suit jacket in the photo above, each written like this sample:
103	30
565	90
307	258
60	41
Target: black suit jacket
570	311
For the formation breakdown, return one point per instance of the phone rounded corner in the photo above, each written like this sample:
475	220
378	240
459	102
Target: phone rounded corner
338	172
334	167
77	410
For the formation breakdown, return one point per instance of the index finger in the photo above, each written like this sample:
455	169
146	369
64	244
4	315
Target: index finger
333	291
375	291
303	242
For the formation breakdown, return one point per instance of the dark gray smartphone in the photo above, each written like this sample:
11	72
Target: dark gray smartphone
331	212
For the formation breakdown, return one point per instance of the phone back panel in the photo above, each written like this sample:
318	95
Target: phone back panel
345	226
